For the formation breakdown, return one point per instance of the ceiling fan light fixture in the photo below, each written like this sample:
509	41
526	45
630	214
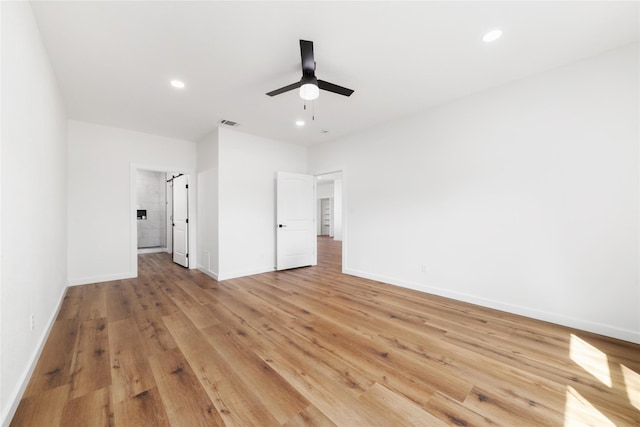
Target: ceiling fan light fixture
309	85
309	91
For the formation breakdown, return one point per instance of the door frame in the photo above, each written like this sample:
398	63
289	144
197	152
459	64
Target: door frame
133	201
345	233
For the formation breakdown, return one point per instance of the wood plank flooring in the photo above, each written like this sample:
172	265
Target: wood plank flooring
314	347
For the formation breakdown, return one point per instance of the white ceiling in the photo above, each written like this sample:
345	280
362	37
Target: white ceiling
114	60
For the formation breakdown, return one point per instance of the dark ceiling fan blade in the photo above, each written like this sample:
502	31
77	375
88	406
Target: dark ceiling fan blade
284	89
306	53
334	88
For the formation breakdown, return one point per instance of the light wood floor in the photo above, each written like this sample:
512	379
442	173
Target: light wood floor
312	346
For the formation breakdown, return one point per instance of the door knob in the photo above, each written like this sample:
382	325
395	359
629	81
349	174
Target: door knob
281	225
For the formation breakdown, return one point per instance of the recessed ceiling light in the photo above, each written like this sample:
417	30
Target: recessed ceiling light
492	35
299	123
177	84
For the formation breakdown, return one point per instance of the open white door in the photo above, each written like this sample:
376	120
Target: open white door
295	216
181	220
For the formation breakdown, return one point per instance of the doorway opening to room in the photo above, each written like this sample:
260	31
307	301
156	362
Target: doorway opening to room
329	218
162	214
151	212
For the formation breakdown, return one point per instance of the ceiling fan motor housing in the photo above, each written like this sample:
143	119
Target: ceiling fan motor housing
308	79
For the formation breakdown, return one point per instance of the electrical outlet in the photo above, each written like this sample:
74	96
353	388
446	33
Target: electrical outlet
33	321
424	268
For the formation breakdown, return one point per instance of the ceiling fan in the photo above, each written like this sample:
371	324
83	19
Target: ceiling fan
309	85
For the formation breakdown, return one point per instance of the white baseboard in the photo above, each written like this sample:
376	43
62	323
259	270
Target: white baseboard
209	273
16	395
233	275
151	250
560	319
98	279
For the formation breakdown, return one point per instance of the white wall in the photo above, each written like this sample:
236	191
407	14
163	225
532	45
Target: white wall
34	199
246	199
102	226
207	150
523	198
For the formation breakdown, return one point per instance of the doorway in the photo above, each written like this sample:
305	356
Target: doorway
330	217
162	214
136	204
325	217
151	211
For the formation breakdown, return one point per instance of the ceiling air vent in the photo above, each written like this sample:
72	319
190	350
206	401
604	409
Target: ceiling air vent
229	123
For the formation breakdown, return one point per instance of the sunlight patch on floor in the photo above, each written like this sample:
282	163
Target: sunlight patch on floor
632	384
590	359
578	412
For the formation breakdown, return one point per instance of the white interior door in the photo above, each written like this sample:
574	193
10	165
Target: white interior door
295	216
181	220
169	216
